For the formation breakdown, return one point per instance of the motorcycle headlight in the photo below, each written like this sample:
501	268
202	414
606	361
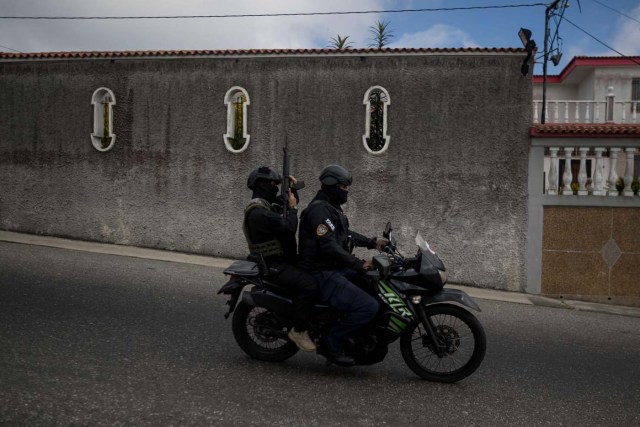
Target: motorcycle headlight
443	276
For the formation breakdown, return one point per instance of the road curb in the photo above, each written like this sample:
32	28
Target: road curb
113	249
169	256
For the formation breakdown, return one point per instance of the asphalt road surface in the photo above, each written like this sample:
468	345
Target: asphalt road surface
94	339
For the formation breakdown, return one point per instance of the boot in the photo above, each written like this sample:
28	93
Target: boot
302	340
337	357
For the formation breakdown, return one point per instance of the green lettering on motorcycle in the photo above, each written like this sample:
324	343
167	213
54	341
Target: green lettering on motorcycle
394	300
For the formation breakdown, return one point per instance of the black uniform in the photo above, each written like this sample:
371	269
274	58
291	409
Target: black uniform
325	237
324	250
264	225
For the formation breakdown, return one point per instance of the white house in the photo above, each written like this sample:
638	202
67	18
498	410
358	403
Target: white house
583	234
594	101
591	90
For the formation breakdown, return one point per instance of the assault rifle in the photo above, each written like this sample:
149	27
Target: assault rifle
286	182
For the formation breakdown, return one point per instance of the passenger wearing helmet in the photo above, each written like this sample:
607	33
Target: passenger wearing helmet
275	239
325	250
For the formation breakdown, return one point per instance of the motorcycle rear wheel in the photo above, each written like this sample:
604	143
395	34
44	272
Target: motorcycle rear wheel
459	331
260	334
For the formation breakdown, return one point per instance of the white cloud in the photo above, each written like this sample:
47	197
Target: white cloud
627	35
439	35
580	48
177	34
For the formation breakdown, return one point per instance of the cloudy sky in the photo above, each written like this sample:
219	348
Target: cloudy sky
468	28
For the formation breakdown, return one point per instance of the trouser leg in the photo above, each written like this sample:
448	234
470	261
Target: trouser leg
359	307
305	287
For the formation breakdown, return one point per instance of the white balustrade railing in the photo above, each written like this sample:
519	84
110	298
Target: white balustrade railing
575	111
602	171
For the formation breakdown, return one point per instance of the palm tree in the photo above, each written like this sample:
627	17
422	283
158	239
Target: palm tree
382	35
340	42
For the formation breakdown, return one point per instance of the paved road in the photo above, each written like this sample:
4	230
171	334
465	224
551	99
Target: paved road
97	339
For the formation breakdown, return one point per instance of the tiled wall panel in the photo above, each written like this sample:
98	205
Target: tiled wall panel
592	253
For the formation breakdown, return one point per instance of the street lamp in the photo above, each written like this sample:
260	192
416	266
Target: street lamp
529	45
525	36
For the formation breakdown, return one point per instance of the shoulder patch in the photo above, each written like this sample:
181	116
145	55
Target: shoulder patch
330	224
321	230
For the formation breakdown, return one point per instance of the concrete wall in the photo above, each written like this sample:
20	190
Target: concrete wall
456	168
556	92
619	78
587	89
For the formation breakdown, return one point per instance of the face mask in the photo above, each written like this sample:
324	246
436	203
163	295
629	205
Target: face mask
266	190
338	195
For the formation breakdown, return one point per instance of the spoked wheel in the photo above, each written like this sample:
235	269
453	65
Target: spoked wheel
461	338
260	334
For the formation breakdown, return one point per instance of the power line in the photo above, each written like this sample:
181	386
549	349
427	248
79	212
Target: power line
616	11
601	42
6	47
262	15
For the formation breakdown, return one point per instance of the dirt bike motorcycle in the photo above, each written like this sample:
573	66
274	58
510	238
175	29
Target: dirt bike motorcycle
440	339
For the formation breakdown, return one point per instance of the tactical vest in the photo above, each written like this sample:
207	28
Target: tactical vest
269	248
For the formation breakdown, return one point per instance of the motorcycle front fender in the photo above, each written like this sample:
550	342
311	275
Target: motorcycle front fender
451	295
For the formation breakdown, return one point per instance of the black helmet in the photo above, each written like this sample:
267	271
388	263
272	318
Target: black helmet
335	174
263	172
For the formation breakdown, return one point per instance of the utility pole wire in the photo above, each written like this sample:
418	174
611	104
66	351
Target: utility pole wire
616	11
6	47
439	9
602	43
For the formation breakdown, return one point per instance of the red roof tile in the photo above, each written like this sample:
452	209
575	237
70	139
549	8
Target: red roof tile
598	130
147	53
589	61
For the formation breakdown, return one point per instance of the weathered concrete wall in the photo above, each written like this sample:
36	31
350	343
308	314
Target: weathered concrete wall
455	170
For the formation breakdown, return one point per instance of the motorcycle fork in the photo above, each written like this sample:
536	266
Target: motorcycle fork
431	332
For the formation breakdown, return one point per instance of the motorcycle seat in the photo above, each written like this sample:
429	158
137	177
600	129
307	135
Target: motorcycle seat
243	269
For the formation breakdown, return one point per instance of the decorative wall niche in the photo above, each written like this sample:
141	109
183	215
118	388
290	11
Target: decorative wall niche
236	139
103	137
376	102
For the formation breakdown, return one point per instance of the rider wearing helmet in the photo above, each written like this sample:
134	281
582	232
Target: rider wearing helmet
268	234
325	249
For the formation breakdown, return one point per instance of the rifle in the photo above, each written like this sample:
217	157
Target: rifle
286	182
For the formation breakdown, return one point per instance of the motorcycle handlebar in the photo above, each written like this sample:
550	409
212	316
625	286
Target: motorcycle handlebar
389	248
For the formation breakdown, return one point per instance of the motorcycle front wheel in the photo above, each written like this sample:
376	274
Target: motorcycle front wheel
260	334
462	337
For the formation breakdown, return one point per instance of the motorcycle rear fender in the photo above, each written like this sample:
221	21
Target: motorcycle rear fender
451	295
233	286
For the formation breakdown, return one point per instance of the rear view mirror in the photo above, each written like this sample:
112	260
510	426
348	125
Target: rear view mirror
387	230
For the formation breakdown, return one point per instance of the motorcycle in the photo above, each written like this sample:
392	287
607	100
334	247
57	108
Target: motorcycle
440	339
